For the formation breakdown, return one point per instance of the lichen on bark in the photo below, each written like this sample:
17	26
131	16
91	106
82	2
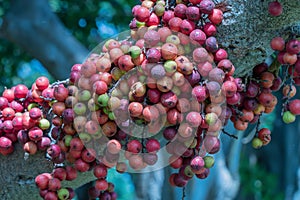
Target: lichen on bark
248	28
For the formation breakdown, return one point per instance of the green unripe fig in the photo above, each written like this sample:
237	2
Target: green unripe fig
140	24
44	124
79	108
103	100
134	51
170	66
288	117
63	194
67	140
209	161
174	39
84	95
257	143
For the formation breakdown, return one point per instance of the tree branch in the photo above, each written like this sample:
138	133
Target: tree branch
39	31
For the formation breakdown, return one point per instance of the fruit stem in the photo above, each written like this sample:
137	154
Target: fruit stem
183	193
228	134
287	98
257	125
60	82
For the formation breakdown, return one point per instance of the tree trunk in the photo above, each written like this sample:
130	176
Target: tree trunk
35	28
246	32
248	29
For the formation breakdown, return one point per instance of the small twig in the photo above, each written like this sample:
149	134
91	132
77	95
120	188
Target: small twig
183	193
230	135
257	125
60	82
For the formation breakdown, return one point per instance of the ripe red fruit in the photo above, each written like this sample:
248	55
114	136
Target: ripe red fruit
54	184
88	155
217	75
60	173
8	113
198	36
100	171
174	116
5	143
114	146
216	16
290	59
100	87
199	92
180	10
206	6
101	184
35	113
20	91
169	99
42	83
260	68
54	151
76	144
277	44
3	103
136	162
197	163
211	144
194	119
17	106
153	55
93	192
211	44
142	14
153	20
151	38
179	181
152	145
264	135
294	106
267	79
169	51
229	88
293	46
204	68
51	196
209	29
42	181
60	93
35	134
135	109
30	147
169	133
195	1
275	8
193	13
134	146
81	165
8	94
150	158
168	15
187	26
71	173
150	113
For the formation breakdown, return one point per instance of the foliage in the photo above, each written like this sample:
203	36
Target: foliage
256	181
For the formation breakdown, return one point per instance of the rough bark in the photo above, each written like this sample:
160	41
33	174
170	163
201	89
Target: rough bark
248	29
36	29
17	175
245	33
